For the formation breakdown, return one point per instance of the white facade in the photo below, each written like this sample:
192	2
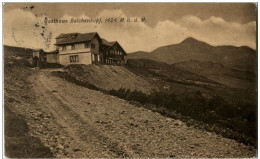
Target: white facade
79	53
77	58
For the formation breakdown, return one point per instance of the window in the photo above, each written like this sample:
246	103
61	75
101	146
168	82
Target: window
54	56
73	47
36	54
74	58
92	46
74	35
63	48
86	45
93	57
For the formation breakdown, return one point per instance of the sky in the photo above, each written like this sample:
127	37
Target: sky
165	23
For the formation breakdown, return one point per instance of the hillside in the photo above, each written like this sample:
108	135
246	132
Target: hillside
196	85
154	69
192	49
137	55
192	98
18	95
218	72
200	93
168	90
49	117
17	51
109	77
208	77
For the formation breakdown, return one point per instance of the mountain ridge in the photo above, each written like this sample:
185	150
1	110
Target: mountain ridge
242	57
188	39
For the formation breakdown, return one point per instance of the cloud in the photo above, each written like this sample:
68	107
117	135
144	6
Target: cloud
27	30
23	28
217	31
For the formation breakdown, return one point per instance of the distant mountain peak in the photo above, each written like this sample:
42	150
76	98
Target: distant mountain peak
191	40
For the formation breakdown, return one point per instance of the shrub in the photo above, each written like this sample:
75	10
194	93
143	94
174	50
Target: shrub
156	98
137	96
215	102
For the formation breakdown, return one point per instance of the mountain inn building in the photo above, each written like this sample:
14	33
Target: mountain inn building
88	48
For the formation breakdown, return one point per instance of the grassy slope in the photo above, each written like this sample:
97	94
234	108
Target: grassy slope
17	51
225	100
170	75
152	68
109	77
18	143
226	75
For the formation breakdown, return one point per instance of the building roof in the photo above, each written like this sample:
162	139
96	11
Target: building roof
37	49
110	44
74	38
105	42
71	38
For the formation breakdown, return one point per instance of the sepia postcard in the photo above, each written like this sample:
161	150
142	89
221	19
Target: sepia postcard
130	80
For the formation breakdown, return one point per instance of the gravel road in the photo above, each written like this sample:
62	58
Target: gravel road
75	121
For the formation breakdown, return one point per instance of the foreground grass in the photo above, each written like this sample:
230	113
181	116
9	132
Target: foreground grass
18	142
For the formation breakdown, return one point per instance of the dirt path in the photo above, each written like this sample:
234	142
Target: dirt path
78	122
